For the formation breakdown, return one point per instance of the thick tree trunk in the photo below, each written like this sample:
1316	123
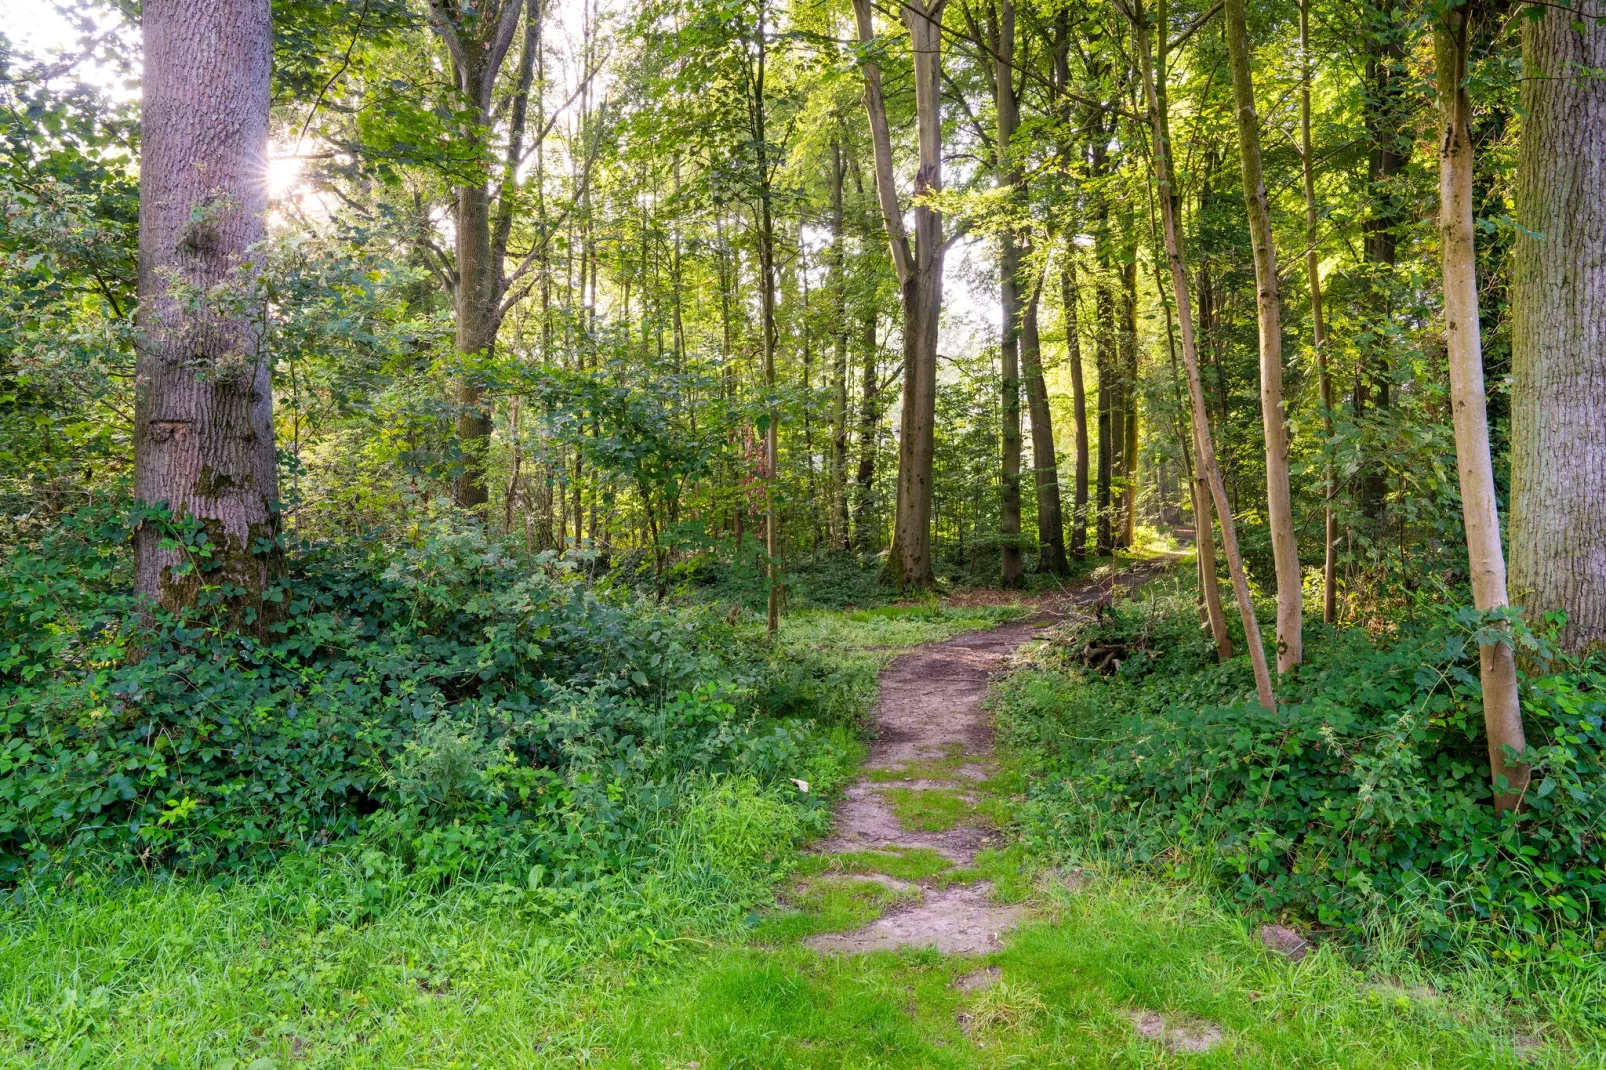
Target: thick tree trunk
1558	338
1045	467
1073	354
1502	712
1008	178
1268	305
919	267
1204	448
203	420
1324	378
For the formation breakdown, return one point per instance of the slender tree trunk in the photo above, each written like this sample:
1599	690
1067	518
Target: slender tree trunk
1502	712
1073	355
919	268
1268	303
864	525
1129	402
203	422
1104	361
1045	468
766	256
1558	338
1318	330
1154	94
1008	178
839	366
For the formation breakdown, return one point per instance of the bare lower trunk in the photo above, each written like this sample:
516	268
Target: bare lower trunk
203	421
1104	361
1009	261
918	263
1502	712
1558	338
863	521
1279	499
839	366
476	313
1324	379
1127	429
1045	468
1204	448
1073	355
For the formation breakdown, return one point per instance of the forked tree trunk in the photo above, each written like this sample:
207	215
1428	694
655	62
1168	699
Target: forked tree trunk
1558	337
919	268
1324	378
1204	448
1502	712
1008	178
1045	468
203	420
1279	499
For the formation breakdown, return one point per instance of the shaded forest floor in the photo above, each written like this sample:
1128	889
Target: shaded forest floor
919	934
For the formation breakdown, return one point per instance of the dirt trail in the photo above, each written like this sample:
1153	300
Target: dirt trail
932	735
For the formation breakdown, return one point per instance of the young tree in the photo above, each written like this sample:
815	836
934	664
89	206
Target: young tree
1000	42
1502	713
1070	296
203	410
1279	499
1204	447
918	264
1558	337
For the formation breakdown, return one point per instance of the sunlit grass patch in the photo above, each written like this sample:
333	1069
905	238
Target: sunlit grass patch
833	904
903	863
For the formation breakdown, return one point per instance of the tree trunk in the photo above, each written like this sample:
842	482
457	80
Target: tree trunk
1129	401
1279	499
1045	468
1008	178
864	526
1104	362
203	422
1073	355
1502	712
1318	331
839	366
919	269
1154	94
1558	338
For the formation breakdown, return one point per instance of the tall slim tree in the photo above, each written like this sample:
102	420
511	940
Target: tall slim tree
1279	498
1558	336
1007	174
1070	296
1502	712
1045	467
203	409
918	263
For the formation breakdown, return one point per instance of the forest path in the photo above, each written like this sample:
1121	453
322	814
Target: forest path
928	780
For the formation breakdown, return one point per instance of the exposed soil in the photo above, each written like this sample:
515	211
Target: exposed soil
929	721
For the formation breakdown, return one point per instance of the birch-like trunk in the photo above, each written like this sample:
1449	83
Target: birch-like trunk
1502	712
203	407
1558	337
1279	499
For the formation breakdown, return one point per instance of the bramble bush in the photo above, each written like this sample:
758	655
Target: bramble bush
456	703
1364	795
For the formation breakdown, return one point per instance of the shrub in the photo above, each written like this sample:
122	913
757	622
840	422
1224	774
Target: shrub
1365	793
460	703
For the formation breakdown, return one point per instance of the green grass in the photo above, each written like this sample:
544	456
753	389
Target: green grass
323	962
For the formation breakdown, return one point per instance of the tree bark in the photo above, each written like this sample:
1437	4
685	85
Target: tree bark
1008	178
919	268
864	526
1324	378
203	423
1502	711
1129	401
839	366
1045	468
1268	305
1073	354
1202	444
1558	338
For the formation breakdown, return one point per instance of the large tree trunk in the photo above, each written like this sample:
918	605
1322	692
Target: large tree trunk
1558	338
1268	305
203	420
1073	354
919	268
1324	378
1502	712
1045	468
1204	448
1008	177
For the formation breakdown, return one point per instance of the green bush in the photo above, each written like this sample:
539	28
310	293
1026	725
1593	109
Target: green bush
456	701
1364	795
